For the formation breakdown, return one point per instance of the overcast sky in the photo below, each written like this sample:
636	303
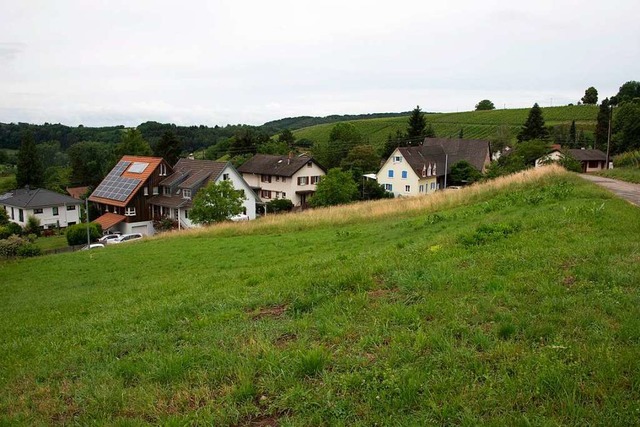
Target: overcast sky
102	63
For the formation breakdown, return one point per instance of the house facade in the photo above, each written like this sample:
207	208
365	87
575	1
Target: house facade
423	169
122	198
590	160
189	176
283	177
52	209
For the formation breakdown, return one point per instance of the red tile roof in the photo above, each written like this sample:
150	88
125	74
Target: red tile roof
109	219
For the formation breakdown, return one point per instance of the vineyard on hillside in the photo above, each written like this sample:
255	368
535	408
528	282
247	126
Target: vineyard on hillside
474	124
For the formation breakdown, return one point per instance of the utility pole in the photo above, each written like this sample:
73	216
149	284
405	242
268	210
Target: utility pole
86	213
446	167
609	135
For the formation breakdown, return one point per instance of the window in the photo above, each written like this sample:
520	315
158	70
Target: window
37	211
71	207
163	170
265	178
433	185
390	173
265	194
315	179
130	211
303	180
186	194
277	179
422	188
155	191
167	191
225	177
404	174
277	194
55	210
146	191
407	189
388	187
13	214
284	179
284	195
309	164
186	213
397	159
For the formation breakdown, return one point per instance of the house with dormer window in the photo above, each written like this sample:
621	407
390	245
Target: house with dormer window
189	176
422	169
122	198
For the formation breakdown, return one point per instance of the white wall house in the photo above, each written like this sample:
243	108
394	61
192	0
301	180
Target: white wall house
407	172
51	208
188	177
283	177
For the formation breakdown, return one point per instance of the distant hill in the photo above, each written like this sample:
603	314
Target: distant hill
474	124
293	123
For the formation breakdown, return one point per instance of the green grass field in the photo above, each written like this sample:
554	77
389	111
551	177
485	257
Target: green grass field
52	242
475	124
512	303
624	174
7	183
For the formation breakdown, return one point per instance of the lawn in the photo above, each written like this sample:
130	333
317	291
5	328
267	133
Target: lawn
7	183
52	242
512	303
629	174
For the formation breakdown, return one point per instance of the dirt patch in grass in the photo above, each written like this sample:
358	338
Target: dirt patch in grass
569	281
285	339
273	311
270	420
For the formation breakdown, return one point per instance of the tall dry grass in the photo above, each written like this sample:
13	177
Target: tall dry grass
376	209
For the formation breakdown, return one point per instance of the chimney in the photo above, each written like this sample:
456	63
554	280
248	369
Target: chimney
290	157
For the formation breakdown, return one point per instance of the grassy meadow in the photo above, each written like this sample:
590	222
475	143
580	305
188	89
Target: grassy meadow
475	124
515	302
629	174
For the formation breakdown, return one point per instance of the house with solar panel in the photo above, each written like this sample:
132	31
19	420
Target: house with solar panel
122	198
179	188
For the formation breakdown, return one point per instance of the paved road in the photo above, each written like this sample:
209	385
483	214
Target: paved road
626	190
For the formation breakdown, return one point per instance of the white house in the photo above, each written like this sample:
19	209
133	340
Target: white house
51	208
590	160
283	177
178	189
422	169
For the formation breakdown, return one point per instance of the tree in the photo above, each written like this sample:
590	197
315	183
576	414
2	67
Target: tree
461	133
417	125
343	137
602	124
590	96
627	92
429	132
287	137
169	148
216	202
133	144
4	217
361	159
484	105
32	225
90	162
336	187
393	142
279	205
572	134
77	234
534	127
626	127
369	189
463	172
30	169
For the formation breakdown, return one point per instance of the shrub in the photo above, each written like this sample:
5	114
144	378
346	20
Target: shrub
29	250
10	229
9	247
77	234
279	205
628	159
32	226
165	224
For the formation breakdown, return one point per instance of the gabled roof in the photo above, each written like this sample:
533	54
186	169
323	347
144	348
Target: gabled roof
30	198
197	171
109	219
584	155
422	158
77	192
474	151
124	181
267	164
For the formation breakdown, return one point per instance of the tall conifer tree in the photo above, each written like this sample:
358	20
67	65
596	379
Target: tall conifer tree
30	169
534	127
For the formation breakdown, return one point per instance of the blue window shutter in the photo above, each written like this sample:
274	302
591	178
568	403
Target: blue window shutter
390	173
404	174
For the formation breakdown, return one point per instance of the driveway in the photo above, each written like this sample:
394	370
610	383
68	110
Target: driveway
626	190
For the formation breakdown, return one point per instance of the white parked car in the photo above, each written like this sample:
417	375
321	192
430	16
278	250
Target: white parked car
127	238
108	238
239	217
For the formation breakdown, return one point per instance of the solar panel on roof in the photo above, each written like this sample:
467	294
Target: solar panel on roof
116	187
